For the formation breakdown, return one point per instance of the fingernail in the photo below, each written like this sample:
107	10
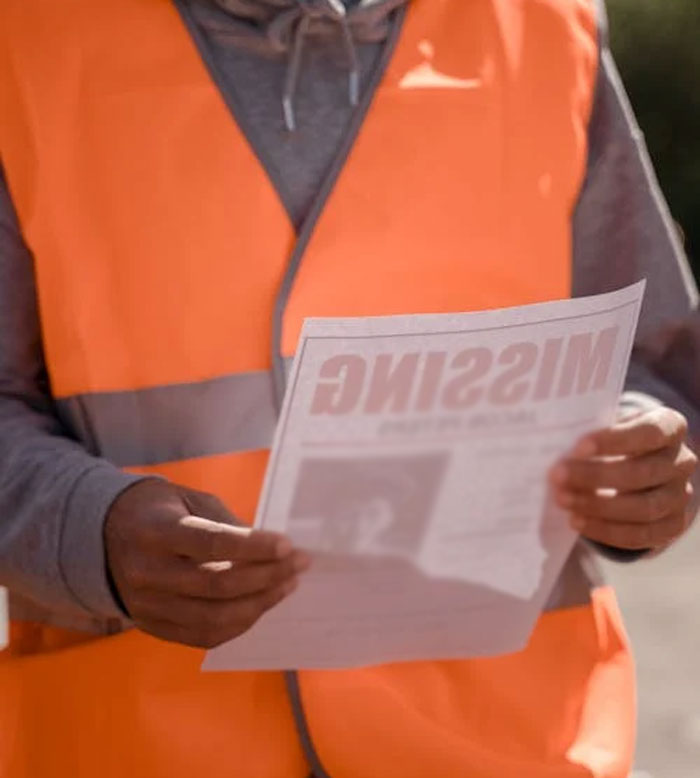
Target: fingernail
284	547
584	448
577	523
301	562
560	474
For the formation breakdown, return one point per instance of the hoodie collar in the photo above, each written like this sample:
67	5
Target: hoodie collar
269	25
285	27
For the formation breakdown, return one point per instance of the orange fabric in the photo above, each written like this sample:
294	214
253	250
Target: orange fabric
133	706
480	189
132	158
473	184
160	246
552	711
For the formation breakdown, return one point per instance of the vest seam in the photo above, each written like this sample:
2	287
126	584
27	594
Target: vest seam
317	207
278	363
602	42
291	681
232	102
602	24
596	86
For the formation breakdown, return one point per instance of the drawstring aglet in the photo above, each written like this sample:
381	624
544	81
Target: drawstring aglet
292	78
354	87
335	11
288	109
353	62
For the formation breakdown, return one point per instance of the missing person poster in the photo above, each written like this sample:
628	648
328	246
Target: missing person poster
411	459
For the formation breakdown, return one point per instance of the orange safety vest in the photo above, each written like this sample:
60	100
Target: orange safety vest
171	285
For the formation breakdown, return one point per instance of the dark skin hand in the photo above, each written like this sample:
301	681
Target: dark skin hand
187	571
629	486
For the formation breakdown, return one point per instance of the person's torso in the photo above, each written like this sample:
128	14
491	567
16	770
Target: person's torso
172	285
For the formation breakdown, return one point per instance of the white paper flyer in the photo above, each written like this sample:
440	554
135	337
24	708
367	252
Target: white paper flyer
411	459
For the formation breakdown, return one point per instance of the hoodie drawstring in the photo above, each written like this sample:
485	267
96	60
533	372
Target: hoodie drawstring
284	26
299	21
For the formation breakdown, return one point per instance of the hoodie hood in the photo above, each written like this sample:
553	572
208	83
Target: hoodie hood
269	26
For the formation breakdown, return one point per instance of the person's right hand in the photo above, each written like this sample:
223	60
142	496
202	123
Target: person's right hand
186	571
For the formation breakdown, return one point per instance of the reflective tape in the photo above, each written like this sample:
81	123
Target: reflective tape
226	415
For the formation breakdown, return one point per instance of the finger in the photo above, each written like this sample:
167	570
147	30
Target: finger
223	580
625	474
206	624
632	536
211	541
208	506
634	507
650	431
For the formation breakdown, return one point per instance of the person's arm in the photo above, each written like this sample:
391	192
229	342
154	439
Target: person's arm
623	232
80	538
53	494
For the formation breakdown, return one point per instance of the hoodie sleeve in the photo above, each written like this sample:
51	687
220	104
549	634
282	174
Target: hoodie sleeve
54	496
622	232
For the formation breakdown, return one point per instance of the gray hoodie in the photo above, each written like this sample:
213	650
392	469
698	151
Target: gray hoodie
54	495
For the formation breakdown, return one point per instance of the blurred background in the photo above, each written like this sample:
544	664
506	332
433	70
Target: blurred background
657	47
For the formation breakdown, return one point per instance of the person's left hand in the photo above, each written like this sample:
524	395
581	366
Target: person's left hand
629	486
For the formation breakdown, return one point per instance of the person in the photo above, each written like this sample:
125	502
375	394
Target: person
184	182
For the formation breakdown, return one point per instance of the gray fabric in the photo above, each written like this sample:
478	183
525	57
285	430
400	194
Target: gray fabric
262	25
217	416
54	495
297	162
623	232
311	218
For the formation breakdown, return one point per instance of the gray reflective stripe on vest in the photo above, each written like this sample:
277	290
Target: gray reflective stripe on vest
224	415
